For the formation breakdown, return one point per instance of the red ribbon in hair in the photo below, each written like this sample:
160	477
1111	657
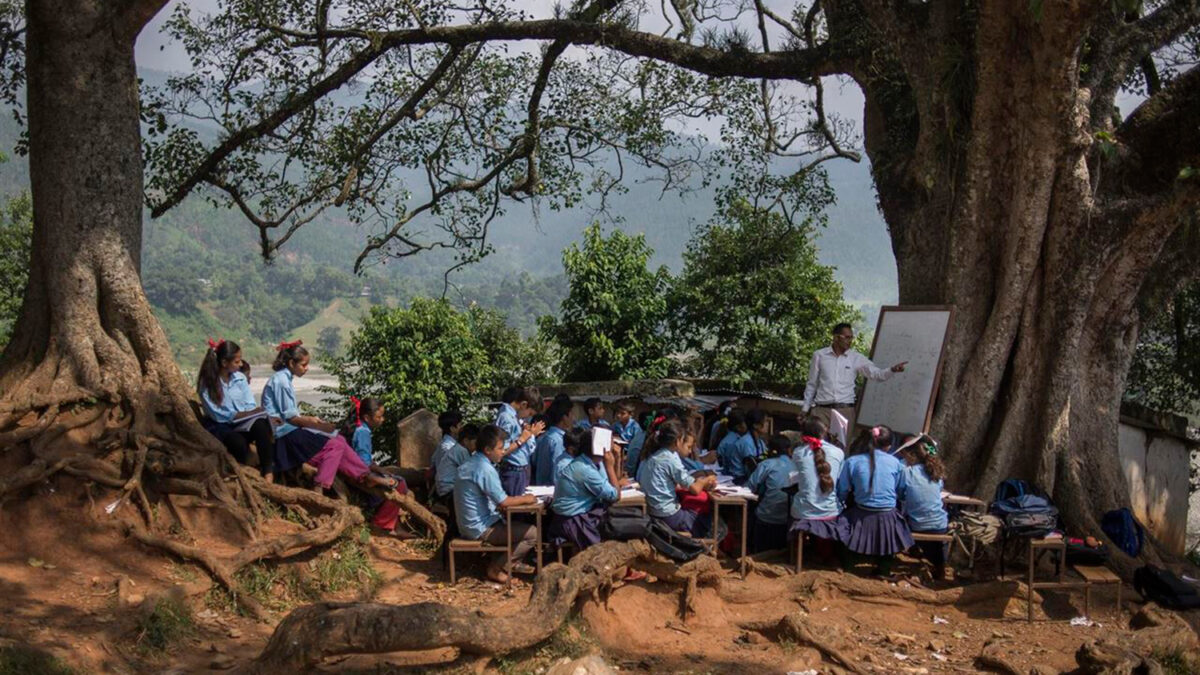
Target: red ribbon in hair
288	345
658	420
215	345
813	442
875	431
357	411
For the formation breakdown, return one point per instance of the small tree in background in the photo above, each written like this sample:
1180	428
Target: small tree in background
753	301
16	235
330	339
515	360
425	356
1165	373
612	323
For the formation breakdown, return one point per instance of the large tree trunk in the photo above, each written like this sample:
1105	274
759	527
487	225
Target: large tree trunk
86	330
992	211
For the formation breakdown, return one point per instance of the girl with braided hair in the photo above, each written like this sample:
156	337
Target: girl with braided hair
816	511
227	399
875	480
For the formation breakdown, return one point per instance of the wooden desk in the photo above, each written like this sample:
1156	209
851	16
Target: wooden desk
1036	546
727	500
638	501
537	509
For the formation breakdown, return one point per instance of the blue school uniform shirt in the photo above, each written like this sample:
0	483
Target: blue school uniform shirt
507	420
712	435
550	455
633	453
279	400
809	501
450	456
361	442
726	448
658	476
745	447
586	424
921	501
691	464
236	397
627	431
768	482
477	494
579	486
856	476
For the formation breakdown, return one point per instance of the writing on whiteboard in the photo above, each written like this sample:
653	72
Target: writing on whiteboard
905	401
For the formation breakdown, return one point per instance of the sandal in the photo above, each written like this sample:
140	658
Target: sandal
523	568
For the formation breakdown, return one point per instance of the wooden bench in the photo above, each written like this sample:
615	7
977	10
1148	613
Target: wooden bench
1096	576
929	536
472	546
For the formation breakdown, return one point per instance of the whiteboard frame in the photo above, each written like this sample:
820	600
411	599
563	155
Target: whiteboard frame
937	373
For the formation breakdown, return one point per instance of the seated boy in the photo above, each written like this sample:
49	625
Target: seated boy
595	410
478	495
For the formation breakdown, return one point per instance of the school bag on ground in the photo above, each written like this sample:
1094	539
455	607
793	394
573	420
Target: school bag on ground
1013	487
1124	530
624	523
1165	588
678	547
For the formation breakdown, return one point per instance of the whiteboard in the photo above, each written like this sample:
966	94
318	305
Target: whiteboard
916	334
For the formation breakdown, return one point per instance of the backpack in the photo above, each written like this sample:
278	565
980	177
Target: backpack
1124	530
1026	515
1013	487
1165	588
678	547
1079	553
624	523
981	527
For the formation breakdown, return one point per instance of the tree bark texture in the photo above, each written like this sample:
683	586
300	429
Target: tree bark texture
998	204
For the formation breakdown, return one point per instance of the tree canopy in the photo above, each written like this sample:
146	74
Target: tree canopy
612	324
753	301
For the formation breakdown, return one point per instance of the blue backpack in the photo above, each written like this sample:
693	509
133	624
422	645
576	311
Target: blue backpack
1024	511
1013	487
1124	531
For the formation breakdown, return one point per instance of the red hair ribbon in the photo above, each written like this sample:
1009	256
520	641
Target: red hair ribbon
215	345
813	442
357	411
658	420
875	431
288	345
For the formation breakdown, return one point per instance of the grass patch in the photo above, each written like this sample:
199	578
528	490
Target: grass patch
169	624
1176	661
571	641
281	587
24	660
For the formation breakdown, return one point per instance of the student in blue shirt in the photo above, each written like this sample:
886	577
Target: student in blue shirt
770	478
477	498
816	511
450	454
749	448
582	491
303	439
875	480
687	452
367	415
225	393
634	450
518	404
719	426
594	408
661	470
625	427
921	501
551	452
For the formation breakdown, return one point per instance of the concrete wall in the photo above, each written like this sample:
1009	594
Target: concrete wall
1157	466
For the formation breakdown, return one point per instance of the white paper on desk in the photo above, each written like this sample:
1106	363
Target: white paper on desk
631	493
602	440
540	490
243	424
724	479
736	491
839	426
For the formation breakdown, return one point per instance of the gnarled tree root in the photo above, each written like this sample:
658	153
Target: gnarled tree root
826	638
315	632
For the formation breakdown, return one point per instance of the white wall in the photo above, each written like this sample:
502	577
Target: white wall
1157	466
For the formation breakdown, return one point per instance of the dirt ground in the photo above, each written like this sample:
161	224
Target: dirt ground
75	588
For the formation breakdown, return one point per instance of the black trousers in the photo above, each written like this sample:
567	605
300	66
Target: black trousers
238	443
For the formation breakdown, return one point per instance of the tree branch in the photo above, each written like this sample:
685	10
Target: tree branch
1160	139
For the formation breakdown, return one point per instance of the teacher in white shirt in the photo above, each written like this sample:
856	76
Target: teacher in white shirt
831	377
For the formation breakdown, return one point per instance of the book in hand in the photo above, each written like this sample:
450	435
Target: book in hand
327	434
244	423
602	441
